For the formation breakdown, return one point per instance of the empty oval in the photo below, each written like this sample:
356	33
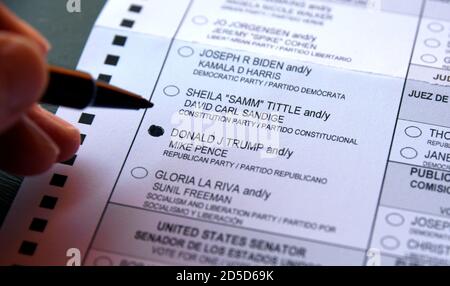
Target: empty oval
171	90
200	20
390	242
432	43
408	153
395	219
428	58
435	27
103	261
185	51
139	172
413	131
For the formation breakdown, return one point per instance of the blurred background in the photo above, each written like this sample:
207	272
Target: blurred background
67	32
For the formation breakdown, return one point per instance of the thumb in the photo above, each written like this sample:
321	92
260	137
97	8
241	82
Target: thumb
23	77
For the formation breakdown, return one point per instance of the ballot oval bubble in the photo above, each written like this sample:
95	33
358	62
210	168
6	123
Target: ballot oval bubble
156	131
395	219
200	20
432	43
171	90
390	242
435	27
103	261
408	153
428	58
185	51
413	131
139	172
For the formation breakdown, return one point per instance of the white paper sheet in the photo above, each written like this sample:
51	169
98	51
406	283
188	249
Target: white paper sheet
283	133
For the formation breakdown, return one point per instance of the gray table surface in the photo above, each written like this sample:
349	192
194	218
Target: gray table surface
67	32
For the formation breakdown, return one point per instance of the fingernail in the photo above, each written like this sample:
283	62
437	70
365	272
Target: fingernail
23	71
45	44
42	139
54	118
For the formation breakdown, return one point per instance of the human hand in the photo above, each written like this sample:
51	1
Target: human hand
31	138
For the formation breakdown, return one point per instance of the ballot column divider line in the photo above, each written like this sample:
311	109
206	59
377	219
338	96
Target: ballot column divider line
444	217
426	123
414	165
172	40
419	22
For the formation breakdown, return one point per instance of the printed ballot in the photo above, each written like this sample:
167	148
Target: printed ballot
283	133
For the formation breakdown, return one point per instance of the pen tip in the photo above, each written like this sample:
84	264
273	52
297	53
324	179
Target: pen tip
111	96
146	103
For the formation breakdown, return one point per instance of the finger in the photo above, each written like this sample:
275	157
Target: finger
66	136
10	22
27	150
23	77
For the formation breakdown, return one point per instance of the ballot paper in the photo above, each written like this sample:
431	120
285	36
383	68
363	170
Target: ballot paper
288	132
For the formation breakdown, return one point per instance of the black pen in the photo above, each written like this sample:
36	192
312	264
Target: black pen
79	90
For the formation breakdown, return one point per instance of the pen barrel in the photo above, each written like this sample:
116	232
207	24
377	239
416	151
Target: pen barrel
67	90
